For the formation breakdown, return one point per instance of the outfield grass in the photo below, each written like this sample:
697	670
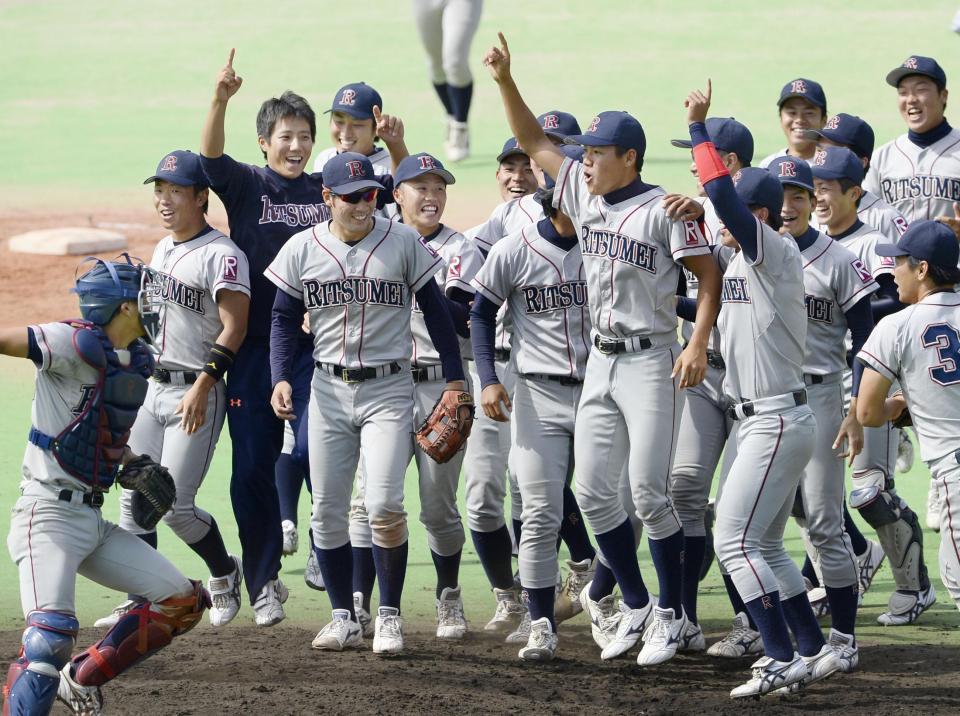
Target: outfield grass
97	92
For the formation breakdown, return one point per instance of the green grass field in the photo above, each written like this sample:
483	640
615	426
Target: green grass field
97	92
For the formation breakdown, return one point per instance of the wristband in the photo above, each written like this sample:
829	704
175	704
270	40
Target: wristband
709	164
218	361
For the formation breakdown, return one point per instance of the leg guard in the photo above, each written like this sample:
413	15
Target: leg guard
897	528
140	633
33	678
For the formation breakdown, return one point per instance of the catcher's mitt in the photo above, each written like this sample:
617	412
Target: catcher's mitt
447	428
154	490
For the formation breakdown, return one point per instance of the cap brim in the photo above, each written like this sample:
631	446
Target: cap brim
355	186
511	153
352	112
442	173
813	135
173	180
800	184
591	140
795	95
682	143
889	250
820	173
557	135
894	76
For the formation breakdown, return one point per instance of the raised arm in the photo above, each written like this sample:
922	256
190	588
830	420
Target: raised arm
523	123
212	138
390	130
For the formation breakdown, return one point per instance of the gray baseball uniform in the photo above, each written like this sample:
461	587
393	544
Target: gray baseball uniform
920	347
190	275
446	28
358	298
546	291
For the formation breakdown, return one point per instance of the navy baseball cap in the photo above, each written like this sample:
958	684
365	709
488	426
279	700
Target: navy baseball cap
357	100
510	148
574	151
613	128
847	130
181	167
836	163
928	240
349	172
559	125
804	89
758	187
419	164
727	135
792	171
917	65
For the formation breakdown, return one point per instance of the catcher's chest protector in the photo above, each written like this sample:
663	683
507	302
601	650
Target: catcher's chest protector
91	446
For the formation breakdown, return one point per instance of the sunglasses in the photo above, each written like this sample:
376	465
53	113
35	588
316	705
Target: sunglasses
358	196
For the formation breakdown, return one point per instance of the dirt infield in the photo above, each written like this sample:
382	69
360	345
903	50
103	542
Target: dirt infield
246	670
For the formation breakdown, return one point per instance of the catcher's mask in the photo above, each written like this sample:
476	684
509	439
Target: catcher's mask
151	304
108	284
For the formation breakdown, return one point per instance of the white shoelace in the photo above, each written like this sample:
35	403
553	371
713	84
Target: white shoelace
451	612
390	626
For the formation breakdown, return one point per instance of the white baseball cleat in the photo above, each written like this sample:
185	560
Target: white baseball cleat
633	623
934	501
604	617
225	595
906	607
363	616
542	644
521	635
770	675
819	666
818	601
451	621
509	611
312	575
741	641
291	540
869	563
567	604
388	631
268	606
904	452
457	145
846	649
341	633
118	611
692	638
80	700
662	638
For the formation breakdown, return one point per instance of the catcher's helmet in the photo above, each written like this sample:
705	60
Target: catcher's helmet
105	286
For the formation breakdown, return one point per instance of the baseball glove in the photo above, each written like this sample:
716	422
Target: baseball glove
154	490
447	428
903	420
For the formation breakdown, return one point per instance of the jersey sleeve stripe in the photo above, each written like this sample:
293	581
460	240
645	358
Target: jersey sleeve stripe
283	285
855	297
691	251
488	292
44	347
875	363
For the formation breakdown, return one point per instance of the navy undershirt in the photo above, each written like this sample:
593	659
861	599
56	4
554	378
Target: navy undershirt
634	188
932	136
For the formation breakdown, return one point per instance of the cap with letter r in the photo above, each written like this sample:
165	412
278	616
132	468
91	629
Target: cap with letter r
758	187
559	125
804	89
846	130
930	241
614	128
511	148
356	99
917	65
792	171
349	172
727	135
419	164
836	163
180	167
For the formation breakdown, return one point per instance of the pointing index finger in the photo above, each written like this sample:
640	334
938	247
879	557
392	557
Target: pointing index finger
233	51
503	42
376	113
709	89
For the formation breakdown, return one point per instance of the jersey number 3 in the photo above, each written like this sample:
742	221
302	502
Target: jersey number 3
946	339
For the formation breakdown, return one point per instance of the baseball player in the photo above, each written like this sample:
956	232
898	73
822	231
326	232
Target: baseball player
919	347
356	276
837	290
265	206
353	127
201	292
539	272
630	405
918	173
837	175
803	106
91	379
704	424
763	329
446	29
421	194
